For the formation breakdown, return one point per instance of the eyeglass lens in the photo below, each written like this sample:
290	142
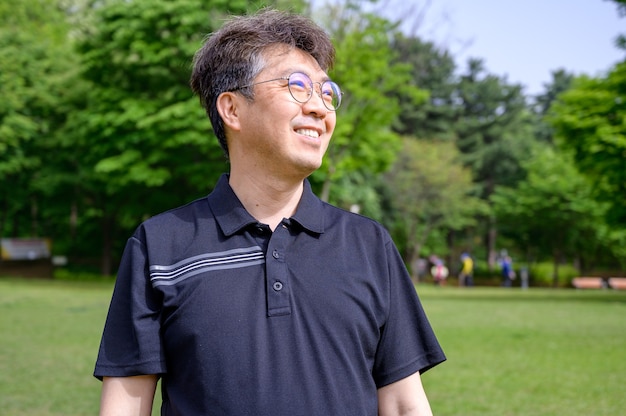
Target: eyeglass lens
301	88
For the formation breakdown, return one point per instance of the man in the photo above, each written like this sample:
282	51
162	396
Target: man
261	299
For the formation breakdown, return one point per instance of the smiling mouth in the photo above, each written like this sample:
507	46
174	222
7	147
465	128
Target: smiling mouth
308	132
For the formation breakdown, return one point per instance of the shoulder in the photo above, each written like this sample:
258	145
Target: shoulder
343	221
174	221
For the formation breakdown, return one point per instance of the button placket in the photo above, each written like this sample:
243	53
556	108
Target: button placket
277	277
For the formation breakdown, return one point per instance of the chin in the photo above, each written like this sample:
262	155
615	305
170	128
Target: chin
307	169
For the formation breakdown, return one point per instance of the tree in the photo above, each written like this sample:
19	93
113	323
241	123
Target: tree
36	65
367	71
144	142
620	41
590	121
432	69
431	191
552	211
561	81
494	134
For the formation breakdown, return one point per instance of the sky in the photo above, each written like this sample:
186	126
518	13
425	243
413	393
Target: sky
526	40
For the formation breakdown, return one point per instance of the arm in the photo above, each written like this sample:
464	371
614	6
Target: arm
405	397
128	395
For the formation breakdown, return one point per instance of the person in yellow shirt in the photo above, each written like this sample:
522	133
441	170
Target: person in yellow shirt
466	277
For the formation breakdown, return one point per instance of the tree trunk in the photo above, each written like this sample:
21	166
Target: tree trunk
107	246
326	190
73	220
3	214
491	244
555	269
325	196
413	263
450	255
34	217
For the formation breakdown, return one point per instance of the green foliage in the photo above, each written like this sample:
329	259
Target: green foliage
99	130
561	81
542	274
140	111
144	142
590	121
359	191
73	274
620	40
552	212
432	69
494	127
367	71
35	67
431	190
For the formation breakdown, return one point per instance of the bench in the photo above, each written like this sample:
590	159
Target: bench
588	283
617	283
25	257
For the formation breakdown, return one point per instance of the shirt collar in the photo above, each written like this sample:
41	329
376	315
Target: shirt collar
232	216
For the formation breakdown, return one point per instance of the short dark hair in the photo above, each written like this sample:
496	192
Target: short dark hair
232	56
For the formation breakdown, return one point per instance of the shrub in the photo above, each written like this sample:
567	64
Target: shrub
541	274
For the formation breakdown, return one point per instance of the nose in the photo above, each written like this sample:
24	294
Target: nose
315	103
317	90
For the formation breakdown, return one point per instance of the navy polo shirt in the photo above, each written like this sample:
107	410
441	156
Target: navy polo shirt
310	319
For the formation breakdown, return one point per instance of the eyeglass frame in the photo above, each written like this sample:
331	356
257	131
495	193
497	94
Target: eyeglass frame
339	95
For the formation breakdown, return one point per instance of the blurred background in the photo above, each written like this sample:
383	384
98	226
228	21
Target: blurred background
99	130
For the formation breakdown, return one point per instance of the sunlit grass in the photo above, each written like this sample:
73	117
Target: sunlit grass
510	352
50	335
535	352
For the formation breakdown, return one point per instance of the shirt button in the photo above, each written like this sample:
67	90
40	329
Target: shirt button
275	254
278	286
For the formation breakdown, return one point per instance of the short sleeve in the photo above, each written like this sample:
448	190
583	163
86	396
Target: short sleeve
408	343
131	342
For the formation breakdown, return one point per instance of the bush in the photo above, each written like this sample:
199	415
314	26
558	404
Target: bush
70	274
541	274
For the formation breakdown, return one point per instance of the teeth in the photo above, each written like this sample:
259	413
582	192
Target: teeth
307	132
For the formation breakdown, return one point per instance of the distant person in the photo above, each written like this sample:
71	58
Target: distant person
508	274
420	269
466	276
261	299
439	271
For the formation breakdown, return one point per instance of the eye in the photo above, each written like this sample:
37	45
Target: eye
299	82
330	91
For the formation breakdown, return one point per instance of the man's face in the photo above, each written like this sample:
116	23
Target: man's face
278	134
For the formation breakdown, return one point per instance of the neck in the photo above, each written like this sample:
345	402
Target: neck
267	199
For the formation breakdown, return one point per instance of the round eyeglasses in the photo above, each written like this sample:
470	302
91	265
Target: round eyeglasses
301	89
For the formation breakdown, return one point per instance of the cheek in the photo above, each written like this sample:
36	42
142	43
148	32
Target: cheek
331	122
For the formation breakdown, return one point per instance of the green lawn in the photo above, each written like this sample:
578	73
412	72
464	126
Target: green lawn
535	352
510	352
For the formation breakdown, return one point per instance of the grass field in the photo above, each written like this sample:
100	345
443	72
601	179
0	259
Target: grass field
510	352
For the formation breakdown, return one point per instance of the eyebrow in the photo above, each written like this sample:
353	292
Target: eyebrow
290	71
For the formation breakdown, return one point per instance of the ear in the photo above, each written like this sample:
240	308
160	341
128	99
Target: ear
228	107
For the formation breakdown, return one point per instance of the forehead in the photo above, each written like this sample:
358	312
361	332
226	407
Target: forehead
282	59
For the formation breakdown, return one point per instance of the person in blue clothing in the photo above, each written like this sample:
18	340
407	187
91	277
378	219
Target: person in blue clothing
261	299
508	274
